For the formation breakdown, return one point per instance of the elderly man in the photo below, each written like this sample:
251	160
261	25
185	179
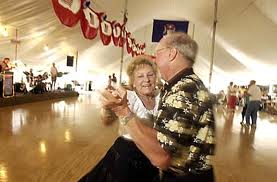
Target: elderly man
183	138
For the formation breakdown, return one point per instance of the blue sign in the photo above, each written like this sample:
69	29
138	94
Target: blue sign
163	27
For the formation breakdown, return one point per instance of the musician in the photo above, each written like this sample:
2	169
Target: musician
54	75
40	87
30	77
23	87
4	66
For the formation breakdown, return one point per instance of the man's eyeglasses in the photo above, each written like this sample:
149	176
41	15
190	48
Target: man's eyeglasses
159	50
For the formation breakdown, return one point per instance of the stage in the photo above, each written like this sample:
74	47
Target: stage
31	97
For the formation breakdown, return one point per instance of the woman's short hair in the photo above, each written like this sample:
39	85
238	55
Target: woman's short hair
138	62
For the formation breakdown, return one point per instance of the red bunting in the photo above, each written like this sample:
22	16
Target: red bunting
138	52
90	23
142	48
122	38
68	11
106	32
134	49
117	32
129	42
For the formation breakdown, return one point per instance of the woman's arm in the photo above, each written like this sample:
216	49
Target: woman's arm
146	140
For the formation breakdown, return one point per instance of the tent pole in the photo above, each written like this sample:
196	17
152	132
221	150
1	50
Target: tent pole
122	49
193	29
76	67
213	42
16	47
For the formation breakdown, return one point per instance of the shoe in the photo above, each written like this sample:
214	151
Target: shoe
242	123
253	125
247	124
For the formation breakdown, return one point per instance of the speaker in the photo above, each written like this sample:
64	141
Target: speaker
69	60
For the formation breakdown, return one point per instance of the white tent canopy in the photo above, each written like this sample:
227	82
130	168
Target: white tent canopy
244	48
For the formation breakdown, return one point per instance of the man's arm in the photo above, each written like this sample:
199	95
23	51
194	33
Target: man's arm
146	140
108	101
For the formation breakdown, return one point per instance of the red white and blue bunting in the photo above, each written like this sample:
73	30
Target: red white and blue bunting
70	12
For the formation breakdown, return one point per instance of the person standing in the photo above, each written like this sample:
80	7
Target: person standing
110	83
182	141
54	75
244	101
4	66
231	97
114	80
253	106
30	78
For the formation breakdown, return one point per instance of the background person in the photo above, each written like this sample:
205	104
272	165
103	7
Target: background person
54	75
4	66
231	97
253	106
244	103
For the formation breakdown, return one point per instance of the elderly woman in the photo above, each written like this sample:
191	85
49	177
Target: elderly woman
124	162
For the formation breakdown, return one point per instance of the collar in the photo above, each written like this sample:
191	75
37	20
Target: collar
181	74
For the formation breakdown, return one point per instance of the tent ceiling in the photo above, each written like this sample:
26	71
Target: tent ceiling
245	39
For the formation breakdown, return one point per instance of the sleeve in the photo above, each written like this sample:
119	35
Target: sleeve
186	128
131	97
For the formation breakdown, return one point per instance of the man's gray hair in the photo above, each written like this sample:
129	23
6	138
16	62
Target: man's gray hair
184	44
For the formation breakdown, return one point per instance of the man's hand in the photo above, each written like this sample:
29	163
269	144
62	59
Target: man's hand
113	98
122	109
108	100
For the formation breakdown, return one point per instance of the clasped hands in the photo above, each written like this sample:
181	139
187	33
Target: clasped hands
115	100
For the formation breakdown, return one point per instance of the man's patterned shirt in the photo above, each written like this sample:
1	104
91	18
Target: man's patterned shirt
185	123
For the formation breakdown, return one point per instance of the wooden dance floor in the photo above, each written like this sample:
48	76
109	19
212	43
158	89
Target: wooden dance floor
60	140
31	97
